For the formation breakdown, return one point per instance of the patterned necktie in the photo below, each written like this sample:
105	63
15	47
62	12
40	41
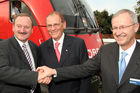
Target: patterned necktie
57	51
30	63
27	56
122	65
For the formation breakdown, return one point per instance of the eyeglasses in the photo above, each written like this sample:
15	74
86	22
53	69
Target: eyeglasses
121	27
53	25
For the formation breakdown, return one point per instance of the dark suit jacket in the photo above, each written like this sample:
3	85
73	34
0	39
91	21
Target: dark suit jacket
15	74
74	52
107	61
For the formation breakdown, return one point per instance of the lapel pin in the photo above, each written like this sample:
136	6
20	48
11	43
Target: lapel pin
66	50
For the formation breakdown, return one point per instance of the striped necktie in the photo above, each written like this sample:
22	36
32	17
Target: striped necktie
29	61
27	56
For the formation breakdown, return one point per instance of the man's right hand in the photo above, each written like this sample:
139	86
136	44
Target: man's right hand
45	74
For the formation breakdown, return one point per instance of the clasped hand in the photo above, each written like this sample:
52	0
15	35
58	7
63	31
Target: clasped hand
45	74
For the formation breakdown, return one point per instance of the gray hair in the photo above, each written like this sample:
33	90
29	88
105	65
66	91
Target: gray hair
133	16
57	13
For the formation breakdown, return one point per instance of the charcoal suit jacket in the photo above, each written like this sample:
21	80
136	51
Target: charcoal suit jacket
107	62
74	52
15	72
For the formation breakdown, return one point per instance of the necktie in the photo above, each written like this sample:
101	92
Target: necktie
57	51
30	62
27	56
122	65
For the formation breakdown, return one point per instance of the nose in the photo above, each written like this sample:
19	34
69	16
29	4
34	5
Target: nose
52	28
118	32
22	29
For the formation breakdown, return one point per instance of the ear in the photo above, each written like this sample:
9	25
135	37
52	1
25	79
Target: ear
13	28
64	24
136	27
32	30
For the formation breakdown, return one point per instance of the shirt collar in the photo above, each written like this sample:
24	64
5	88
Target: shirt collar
130	50
60	40
21	43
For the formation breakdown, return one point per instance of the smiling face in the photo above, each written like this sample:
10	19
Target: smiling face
55	26
124	30
22	28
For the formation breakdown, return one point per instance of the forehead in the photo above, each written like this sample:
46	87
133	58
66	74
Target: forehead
53	19
122	19
23	20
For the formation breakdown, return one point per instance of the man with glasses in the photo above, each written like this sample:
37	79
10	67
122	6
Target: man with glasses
119	62
62	50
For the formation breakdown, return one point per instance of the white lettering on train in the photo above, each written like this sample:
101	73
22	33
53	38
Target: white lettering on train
92	52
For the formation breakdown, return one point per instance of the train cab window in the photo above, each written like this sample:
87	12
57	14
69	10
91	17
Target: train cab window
20	7
15	8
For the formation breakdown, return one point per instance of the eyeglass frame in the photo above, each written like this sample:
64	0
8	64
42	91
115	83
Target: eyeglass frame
121	27
56	25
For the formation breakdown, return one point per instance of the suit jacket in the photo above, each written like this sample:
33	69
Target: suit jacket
15	74
107	61
74	52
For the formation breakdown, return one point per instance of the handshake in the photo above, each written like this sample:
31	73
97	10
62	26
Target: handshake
45	74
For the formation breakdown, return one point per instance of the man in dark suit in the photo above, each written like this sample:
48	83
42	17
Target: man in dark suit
17	75
109	59
72	51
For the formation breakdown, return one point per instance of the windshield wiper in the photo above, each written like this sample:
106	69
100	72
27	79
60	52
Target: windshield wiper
80	29
84	15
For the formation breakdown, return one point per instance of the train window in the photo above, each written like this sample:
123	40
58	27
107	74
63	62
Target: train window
78	15
20	7
15	8
69	11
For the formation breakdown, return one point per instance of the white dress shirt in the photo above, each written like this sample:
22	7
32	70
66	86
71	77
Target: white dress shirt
129	51
59	47
15	11
29	50
59	41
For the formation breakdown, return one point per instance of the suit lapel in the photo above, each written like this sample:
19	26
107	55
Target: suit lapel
65	49
19	51
34	53
52	54
114	62
133	65
64	53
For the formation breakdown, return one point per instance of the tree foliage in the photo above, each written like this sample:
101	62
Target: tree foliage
104	21
137	10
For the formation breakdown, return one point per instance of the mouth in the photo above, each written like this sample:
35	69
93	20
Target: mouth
22	33
120	37
54	32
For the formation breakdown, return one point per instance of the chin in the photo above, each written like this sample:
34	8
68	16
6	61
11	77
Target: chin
121	43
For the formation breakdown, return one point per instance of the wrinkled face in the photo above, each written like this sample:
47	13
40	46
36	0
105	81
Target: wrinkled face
22	28
124	30
55	26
